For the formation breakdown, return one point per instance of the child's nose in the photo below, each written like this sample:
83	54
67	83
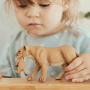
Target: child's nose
33	12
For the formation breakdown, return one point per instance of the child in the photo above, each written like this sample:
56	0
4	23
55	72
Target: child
44	24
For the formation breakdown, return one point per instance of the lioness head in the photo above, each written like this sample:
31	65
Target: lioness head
23	51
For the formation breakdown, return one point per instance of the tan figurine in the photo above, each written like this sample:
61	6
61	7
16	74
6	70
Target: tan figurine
44	57
20	63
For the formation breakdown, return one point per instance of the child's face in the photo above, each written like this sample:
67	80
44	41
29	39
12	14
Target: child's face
46	14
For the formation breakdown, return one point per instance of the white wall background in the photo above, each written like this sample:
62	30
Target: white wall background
6	30
85	7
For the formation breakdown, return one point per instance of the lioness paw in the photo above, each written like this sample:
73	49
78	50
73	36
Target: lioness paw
42	79
29	78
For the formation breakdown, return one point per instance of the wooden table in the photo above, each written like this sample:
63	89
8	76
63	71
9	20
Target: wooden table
50	84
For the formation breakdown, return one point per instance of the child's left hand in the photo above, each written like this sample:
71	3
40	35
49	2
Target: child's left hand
79	69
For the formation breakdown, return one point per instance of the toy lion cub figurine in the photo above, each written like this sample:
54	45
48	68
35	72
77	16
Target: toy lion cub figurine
21	64
44	57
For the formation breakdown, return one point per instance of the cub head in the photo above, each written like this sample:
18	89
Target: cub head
23	51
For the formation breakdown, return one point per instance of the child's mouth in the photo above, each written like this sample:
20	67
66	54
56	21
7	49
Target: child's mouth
33	24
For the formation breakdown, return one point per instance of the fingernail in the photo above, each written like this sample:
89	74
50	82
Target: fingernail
67	78
74	80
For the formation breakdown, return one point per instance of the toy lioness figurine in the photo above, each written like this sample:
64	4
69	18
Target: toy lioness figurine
44	57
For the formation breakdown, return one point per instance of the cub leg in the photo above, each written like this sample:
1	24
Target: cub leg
43	73
16	71
17	64
19	70
34	72
24	71
60	76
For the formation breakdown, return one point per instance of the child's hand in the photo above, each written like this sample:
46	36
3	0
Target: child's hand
79	69
0	75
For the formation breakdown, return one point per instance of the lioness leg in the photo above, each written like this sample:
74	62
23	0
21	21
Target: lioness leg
60	76
34	72
43	73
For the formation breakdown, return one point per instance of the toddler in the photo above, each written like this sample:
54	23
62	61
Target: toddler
47	23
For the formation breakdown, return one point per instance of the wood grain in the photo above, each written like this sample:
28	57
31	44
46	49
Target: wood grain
50	84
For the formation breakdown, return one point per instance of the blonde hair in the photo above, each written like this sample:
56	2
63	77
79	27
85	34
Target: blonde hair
70	15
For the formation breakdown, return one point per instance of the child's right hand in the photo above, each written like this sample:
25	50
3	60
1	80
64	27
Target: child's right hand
0	75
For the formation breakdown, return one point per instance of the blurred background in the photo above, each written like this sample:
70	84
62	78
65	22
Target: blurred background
7	28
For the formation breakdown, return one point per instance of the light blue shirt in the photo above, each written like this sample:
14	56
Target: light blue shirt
77	38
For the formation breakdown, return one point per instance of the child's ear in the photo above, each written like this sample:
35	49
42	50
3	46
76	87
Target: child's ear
65	5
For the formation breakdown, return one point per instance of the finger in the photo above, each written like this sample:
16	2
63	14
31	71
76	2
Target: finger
85	78
80	74
77	69
0	74
76	62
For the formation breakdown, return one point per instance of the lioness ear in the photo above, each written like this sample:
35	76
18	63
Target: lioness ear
24	46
